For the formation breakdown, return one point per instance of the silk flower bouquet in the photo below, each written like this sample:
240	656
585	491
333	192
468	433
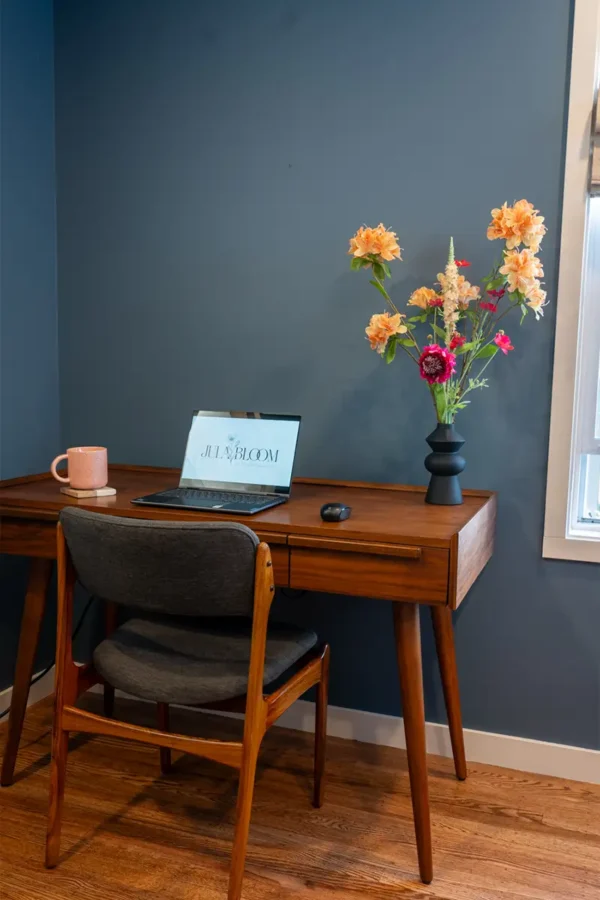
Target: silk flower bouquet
463	336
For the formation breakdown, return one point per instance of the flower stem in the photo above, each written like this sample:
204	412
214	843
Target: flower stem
385	293
467	390
406	350
494	322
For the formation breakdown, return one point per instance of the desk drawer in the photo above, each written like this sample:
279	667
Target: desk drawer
386	571
25	537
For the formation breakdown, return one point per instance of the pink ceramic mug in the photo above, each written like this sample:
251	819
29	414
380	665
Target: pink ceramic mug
87	468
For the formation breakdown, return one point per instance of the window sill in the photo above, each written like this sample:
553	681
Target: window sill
582	550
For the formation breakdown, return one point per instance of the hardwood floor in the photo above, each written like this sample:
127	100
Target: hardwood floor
130	833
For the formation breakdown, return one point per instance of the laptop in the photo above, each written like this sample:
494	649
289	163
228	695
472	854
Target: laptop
235	462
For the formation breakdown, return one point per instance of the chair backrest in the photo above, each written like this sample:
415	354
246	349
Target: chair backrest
177	568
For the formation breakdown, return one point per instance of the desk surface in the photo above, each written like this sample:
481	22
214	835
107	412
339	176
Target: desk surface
386	520
391	513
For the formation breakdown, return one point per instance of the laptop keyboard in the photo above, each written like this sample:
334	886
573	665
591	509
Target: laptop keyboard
196	495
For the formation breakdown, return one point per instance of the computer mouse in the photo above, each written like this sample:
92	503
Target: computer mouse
335	512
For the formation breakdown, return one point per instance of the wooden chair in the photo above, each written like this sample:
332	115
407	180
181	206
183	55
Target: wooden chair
201	636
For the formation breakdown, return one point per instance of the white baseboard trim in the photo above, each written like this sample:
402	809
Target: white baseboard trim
41	689
523	754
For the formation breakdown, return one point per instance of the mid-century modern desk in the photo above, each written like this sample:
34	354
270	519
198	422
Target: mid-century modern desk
394	547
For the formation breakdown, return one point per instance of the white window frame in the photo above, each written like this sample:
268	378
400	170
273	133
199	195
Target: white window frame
563	537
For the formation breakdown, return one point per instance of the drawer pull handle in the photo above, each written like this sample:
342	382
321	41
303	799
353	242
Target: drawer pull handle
341	546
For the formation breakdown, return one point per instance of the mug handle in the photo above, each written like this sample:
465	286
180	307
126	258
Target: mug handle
55	462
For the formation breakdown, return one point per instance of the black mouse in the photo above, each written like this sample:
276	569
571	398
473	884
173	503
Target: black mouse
335	512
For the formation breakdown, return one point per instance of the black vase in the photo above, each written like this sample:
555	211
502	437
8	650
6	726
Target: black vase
445	464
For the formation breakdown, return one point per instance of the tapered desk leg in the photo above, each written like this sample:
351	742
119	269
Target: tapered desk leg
408	648
33	612
444	640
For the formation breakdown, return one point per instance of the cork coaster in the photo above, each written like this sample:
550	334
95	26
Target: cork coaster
80	495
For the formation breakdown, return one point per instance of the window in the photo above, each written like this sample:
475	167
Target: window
572	525
586	468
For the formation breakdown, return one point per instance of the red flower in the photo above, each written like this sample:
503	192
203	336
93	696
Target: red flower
439	302
497	294
489	307
503	342
436	364
457	341
462	263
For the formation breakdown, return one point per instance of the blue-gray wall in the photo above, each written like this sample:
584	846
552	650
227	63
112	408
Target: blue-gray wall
212	163
29	403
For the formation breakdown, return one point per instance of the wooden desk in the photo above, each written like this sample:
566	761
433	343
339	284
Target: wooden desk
394	547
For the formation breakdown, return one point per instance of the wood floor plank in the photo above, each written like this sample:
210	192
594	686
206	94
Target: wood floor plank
130	833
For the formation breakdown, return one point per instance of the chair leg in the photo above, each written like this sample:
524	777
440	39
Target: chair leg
58	768
162	710
321	729
242	820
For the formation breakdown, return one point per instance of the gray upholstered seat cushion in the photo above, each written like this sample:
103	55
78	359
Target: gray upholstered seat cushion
193	661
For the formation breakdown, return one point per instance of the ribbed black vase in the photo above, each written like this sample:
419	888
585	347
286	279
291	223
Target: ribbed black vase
445	464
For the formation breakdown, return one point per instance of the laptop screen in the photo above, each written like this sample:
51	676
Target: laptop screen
240	451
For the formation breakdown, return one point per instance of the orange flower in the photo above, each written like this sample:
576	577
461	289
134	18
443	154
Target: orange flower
466	290
381	327
518	224
377	242
422	297
499	227
536	298
521	269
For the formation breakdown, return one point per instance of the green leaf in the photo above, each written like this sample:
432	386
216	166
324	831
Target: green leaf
406	342
421	318
495	283
466	348
379	271
439	331
440	401
386	269
379	287
475	383
487	351
357	263
390	349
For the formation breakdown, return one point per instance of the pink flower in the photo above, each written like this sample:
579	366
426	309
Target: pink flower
497	294
438	301
457	341
489	307
503	342
436	364
461	263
